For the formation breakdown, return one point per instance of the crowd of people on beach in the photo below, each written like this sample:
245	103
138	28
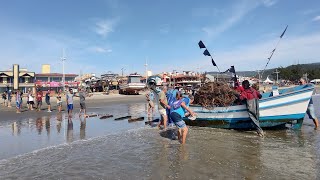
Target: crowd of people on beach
34	100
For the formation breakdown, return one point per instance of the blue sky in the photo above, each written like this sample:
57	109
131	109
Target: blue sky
107	35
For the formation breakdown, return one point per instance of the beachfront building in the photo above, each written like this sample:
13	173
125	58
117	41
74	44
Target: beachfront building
184	79
16	78
54	81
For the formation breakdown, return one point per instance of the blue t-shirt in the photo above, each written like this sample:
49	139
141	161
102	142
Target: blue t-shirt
181	111
171	96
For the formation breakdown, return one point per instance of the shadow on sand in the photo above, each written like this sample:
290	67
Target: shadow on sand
171	133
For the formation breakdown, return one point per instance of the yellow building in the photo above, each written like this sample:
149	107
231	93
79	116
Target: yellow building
45	69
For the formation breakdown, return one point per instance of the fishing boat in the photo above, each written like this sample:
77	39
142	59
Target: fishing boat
287	107
133	85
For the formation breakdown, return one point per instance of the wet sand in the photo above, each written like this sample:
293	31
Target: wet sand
50	146
93	103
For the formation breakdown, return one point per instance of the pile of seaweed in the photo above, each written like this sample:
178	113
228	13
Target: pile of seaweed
215	94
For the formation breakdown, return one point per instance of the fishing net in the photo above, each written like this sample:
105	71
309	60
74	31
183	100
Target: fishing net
215	94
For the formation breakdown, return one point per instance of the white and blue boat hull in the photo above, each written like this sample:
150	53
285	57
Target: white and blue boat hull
288	107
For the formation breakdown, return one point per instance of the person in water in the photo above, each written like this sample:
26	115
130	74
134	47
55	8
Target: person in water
59	100
310	110
150	98
163	106
178	112
251	96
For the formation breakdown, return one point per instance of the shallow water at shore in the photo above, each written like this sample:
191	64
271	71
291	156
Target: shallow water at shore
92	148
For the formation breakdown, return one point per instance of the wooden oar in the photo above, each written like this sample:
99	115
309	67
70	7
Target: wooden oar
106	116
91	115
150	122
122	118
136	119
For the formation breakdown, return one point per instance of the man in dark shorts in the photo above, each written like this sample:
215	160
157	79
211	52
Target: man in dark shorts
4	97
48	100
39	99
9	98
69	98
83	108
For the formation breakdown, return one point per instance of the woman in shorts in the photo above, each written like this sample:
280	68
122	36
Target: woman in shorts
59	101
30	101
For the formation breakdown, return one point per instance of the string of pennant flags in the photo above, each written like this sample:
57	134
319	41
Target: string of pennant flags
232	70
207	53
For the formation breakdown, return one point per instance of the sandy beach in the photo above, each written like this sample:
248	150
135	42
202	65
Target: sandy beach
97	100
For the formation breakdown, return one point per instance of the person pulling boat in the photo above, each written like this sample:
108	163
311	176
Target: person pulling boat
251	96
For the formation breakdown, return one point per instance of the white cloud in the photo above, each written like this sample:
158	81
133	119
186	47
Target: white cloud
206	11
309	11
317	18
105	27
237	13
100	49
269	3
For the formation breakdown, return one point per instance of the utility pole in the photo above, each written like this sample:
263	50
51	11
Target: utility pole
174	79
146	65
122	69
259	77
277	72
63	59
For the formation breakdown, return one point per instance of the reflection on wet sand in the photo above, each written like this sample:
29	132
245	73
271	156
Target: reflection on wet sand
16	128
47	123
59	120
82	127
70	131
39	125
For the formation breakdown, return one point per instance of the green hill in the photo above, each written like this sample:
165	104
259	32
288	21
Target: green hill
292	72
